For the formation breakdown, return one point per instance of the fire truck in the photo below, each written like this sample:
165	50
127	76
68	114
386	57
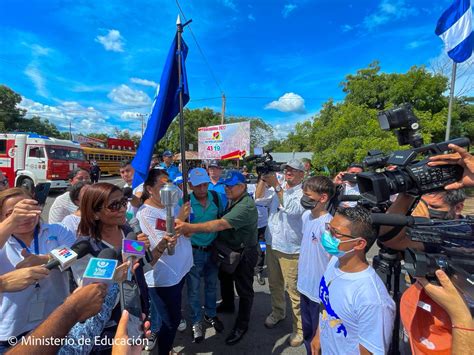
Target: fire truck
27	159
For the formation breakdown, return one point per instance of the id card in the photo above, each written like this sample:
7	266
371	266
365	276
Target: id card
36	311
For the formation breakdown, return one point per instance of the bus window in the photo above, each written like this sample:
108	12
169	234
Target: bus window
3	146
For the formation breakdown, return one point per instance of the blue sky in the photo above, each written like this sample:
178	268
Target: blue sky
97	63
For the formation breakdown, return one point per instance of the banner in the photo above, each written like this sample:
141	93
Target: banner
229	141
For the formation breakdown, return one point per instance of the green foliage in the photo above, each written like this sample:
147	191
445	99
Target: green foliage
10	115
343	133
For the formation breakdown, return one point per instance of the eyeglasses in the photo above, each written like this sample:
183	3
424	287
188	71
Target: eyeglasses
117	205
336	233
4	182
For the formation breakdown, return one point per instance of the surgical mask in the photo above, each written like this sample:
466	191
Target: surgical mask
331	244
308	203
436	214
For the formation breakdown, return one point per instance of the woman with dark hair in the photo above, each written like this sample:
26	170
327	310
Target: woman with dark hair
103	223
166	279
26	241
62	205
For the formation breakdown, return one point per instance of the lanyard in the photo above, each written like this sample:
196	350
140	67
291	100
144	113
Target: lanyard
23	245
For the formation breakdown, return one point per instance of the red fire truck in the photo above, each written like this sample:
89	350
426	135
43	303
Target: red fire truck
29	158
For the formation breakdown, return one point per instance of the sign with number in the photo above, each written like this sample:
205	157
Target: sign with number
229	141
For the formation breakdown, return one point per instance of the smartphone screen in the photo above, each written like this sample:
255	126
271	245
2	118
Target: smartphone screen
41	192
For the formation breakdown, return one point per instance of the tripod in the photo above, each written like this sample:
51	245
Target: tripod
388	263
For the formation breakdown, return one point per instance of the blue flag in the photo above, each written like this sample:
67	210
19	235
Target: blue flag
455	29
164	109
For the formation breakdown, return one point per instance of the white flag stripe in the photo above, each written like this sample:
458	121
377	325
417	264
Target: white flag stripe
458	32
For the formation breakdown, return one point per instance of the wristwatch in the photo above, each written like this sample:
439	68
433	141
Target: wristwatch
277	188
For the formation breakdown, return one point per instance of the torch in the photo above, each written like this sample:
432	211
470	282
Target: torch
169	195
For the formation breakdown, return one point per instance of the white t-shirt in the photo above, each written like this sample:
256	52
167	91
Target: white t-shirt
71	222
262	209
355	309
313	258
61	207
132	211
170	269
16	307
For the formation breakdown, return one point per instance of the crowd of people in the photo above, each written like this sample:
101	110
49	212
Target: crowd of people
225	234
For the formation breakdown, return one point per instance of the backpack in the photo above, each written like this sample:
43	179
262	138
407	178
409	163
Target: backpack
216	200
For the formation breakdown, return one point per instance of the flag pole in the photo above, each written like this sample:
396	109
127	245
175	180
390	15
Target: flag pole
451	99
182	139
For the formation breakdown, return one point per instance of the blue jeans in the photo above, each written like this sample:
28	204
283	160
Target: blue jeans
310	320
205	267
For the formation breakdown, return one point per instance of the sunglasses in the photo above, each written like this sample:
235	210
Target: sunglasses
118	205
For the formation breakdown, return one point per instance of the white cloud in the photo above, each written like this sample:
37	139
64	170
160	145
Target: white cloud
289	102
127	96
388	11
287	9
33	72
230	4
83	118
133	116
416	44
281	131
251	17
346	28
112	41
144	82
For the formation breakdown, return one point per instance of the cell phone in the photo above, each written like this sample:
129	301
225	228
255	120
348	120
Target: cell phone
131	301
349	177
41	192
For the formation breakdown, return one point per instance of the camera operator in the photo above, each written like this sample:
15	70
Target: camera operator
445	295
348	187
283	237
437	205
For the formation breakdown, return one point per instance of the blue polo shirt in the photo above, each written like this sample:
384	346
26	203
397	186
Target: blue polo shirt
172	170
219	188
204	214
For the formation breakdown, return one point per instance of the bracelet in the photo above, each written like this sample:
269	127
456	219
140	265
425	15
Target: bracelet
463	328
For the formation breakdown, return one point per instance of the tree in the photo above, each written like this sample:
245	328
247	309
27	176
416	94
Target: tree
10	114
343	133
37	125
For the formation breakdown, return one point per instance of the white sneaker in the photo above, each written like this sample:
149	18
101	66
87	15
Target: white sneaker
182	325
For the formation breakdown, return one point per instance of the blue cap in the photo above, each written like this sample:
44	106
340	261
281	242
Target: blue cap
167	153
198	176
233	177
178	179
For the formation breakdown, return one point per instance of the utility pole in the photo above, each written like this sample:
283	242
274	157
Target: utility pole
223	109
70	129
142	116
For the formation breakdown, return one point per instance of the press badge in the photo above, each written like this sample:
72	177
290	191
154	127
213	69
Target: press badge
37	306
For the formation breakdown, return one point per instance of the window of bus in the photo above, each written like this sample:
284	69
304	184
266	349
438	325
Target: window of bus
3	146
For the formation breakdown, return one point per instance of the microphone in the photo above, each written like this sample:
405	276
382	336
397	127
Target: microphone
135	224
64	257
398	220
102	268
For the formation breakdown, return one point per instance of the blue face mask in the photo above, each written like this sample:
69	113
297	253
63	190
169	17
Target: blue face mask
331	244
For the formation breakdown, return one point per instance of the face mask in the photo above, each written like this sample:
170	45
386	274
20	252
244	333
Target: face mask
308	203
331	244
436	214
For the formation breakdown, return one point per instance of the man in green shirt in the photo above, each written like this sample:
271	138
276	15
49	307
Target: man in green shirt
238	230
